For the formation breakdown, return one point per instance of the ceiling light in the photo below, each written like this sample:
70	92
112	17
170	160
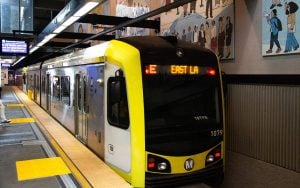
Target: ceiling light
86	8
60	29
17	61
70	21
33	49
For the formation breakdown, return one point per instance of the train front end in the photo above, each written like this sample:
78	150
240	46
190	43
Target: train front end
182	110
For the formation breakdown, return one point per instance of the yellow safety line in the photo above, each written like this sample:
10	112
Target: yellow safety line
81	179
15	105
22	120
41	168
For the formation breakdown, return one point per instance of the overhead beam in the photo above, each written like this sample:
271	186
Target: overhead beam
113	20
72	35
64	44
45	5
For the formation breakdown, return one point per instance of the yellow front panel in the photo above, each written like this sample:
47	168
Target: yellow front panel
177	163
128	58
40	168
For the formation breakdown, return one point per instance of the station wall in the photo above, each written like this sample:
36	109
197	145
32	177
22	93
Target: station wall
248	49
262	114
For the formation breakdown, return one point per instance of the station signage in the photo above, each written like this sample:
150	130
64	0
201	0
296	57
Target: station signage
13	47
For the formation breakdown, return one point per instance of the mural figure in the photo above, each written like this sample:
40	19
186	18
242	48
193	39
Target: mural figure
214	40
202	39
207	35
201	4
195	35
208	8
193	7
274	23
208	24
221	38
291	41
189	35
228	36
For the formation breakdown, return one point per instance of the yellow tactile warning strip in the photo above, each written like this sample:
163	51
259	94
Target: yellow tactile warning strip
22	120
15	105
82	180
40	168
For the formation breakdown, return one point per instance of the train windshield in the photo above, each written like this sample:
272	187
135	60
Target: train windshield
185	108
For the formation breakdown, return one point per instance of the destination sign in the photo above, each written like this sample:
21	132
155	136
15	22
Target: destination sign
179	70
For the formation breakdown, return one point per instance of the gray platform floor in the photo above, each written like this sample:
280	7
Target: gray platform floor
24	141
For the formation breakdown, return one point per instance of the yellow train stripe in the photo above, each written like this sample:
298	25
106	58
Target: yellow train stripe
40	168
22	120
15	105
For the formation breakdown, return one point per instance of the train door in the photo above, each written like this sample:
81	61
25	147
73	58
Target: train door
48	93
80	99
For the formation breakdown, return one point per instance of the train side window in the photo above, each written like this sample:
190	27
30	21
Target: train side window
117	108
56	87
65	89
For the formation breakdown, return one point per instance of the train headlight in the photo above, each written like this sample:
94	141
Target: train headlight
210	158
162	166
214	155
158	164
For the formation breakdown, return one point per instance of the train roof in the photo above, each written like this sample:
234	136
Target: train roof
34	67
170	50
94	54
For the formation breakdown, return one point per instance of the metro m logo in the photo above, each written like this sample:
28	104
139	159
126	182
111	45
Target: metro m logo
189	164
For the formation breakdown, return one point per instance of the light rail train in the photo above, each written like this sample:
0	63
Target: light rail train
151	107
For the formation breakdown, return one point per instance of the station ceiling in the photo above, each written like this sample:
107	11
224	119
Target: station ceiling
45	12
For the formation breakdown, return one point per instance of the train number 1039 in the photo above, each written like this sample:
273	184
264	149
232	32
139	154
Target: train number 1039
218	132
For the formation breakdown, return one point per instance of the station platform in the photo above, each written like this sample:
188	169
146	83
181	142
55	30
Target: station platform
36	151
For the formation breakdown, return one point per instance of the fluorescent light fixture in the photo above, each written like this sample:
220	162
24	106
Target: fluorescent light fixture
17	61
33	49
60	29
70	21
46	39
82	11
50	36
86	8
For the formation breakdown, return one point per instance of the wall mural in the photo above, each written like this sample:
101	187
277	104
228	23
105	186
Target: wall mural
132	9
280	34
207	23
